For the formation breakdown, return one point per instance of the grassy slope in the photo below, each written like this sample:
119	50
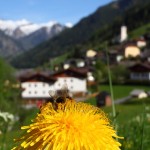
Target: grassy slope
130	118
132	123
139	31
119	91
126	113
9	137
123	91
56	61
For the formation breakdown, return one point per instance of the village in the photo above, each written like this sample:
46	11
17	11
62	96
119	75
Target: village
75	75
78	74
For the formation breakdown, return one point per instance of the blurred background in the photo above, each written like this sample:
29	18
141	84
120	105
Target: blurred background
100	50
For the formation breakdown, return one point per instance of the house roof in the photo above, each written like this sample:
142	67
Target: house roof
145	53
37	76
140	39
140	68
74	62
72	72
136	92
148	93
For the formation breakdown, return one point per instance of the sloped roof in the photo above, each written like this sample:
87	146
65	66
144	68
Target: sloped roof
136	92
145	53
37	76
72	72
140	68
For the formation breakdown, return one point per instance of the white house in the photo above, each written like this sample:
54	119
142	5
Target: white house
141	43
91	53
35	87
132	51
74	78
74	63
140	72
139	94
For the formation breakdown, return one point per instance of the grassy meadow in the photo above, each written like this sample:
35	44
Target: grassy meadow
132	121
133	117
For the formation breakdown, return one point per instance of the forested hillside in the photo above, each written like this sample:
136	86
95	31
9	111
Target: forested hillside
8	46
90	32
8	87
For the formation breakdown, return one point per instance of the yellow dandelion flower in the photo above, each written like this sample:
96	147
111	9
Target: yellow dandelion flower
73	126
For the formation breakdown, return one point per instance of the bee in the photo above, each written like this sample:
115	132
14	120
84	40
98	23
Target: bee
59	96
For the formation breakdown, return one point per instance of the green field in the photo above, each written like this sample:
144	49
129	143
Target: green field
132	120
123	91
139	31
133	117
119	91
127	123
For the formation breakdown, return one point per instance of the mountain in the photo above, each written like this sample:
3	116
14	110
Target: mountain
25	35
9	26
22	28
8	46
92	28
40	35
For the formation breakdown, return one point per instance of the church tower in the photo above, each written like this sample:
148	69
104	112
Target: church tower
123	34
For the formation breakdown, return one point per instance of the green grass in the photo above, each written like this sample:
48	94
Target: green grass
131	121
127	123
56	61
26	117
91	101
9	139
131	125
120	91
139	31
123	90
125	112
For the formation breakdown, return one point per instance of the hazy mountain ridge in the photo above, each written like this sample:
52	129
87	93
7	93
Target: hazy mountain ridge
8	46
80	35
24	26
25	35
41	35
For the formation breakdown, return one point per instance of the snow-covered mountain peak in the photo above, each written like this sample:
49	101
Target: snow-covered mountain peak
32	27
69	25
26	27
10	24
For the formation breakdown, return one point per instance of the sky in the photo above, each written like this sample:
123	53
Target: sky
39	11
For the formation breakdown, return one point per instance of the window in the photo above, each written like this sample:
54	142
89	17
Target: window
144	75
136	75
